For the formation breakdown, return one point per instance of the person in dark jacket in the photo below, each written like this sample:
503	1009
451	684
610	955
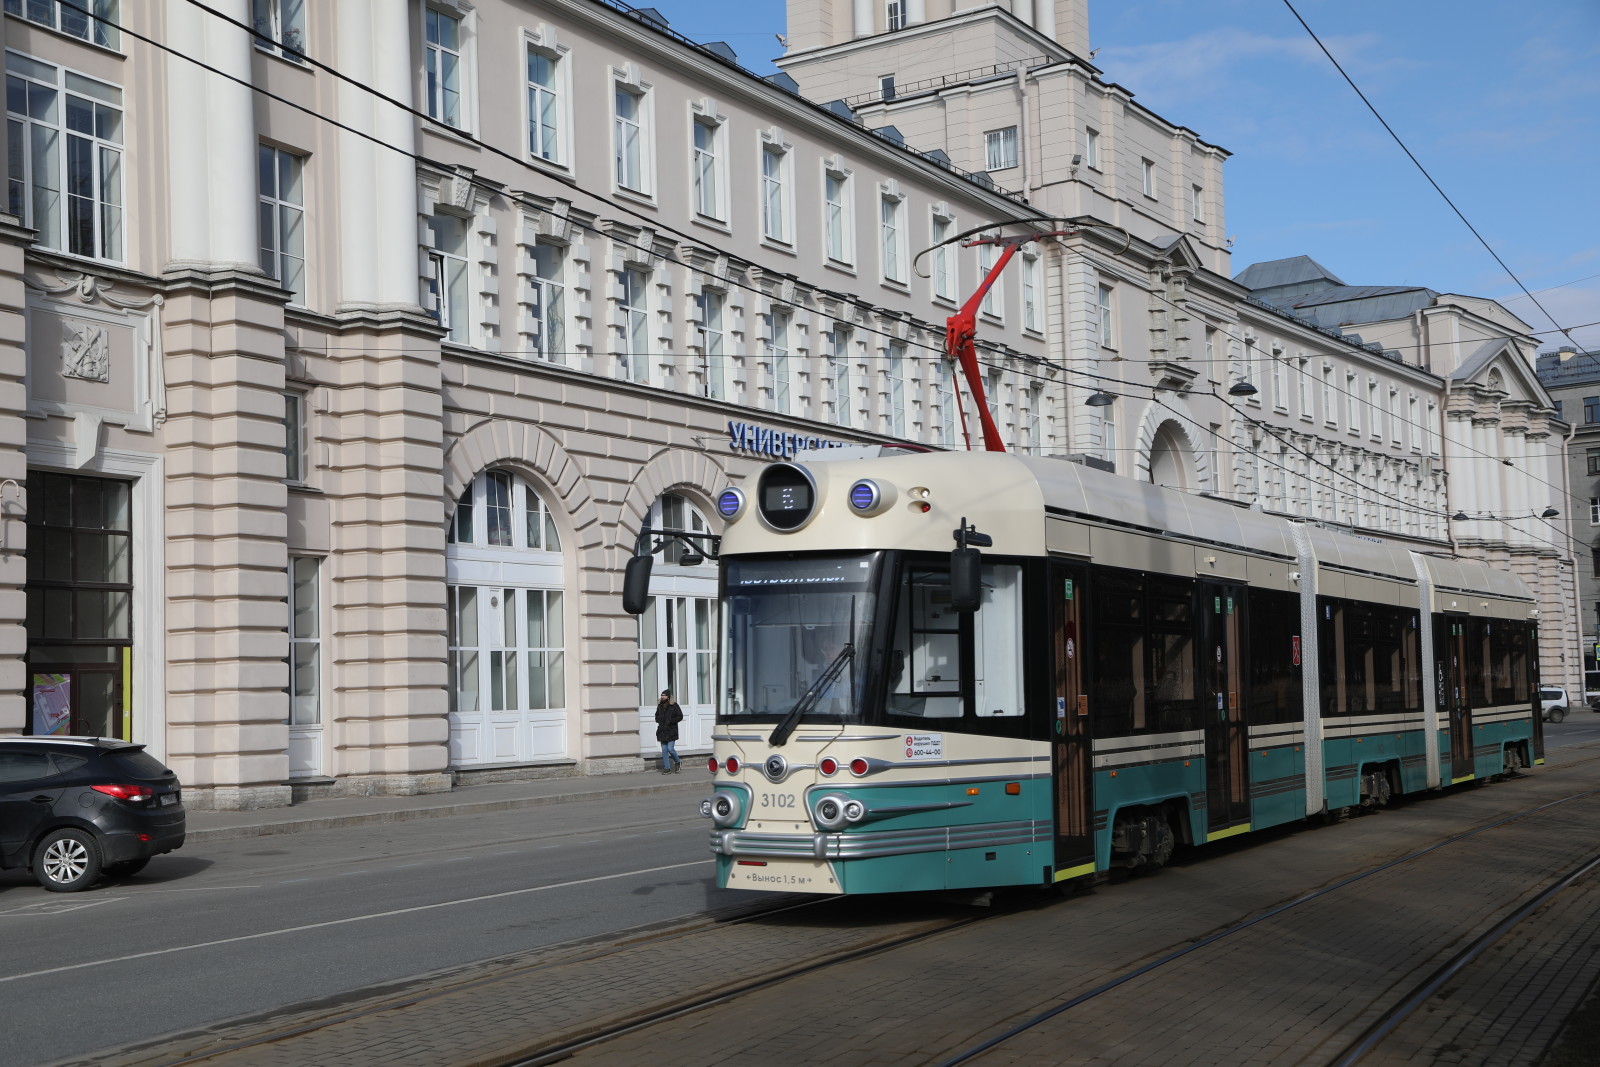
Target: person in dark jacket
668	716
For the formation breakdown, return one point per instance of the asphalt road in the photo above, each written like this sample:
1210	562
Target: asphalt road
246	926
1581	725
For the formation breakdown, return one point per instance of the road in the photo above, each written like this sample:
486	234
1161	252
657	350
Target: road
247	926
1581	725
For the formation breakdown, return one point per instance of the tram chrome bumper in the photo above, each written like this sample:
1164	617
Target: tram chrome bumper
869	844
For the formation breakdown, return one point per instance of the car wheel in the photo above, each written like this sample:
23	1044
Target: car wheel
1556	714
126	869
67	860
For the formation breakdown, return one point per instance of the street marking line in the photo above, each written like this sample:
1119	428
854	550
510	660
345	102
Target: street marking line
351	919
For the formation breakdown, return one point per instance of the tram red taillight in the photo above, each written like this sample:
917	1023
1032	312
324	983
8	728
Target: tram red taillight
828	766
732	764
711	764
858	766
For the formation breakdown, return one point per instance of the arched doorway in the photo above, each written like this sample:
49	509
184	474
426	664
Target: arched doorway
678	634
1170	463
507	626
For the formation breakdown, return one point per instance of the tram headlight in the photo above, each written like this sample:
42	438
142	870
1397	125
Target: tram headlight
830	812
854	811
724	809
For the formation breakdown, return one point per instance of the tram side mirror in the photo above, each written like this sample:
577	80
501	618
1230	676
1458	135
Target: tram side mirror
966	579
636	585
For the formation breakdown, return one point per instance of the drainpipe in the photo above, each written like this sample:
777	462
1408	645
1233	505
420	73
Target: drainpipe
1023	128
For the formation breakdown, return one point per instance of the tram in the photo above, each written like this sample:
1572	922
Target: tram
972	670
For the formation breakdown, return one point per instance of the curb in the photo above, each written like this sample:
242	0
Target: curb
436	811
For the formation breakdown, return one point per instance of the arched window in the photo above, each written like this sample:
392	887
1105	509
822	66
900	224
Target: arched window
507	626
678	632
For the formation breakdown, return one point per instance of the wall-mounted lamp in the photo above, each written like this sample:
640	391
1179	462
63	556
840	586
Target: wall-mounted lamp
1242	389
1099	399
1549	513
1460	516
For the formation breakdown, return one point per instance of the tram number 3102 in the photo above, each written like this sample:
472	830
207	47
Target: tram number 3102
777	800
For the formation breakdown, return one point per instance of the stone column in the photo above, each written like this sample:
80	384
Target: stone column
211	148
226	526
13	477
385	483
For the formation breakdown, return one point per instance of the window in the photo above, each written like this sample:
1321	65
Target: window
893	239
944	259
1594	511
1394	415
886	87
1091	149
1593	455
895	14
993	303
1279	394
839	240
635	324
1412	441
630	139
448	286
442	58
294	446
550	302
1303	379
775	193
839	367
92	20
947	403
1000	148
1352	403
305	642
778	357
1147	174
1030	292
706	181
544	106
1591	408
894	374
713	339
283	219
1197	202
1108	336
283	25
65	126
1376	427
1330	411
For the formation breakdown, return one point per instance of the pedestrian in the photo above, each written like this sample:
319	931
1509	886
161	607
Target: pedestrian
668	716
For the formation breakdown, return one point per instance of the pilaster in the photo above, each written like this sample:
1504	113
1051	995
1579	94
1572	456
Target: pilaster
227	642
13	474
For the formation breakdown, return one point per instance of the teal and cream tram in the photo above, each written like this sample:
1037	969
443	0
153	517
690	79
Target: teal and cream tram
956	670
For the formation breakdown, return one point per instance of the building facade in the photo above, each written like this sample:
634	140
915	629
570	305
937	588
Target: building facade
1573	381
350	347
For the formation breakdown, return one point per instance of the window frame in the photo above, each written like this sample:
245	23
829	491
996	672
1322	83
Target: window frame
446	310
715	207
1091	148
635	323
643	125
892	238
840	222
779	348
267	16
1000	148
1105	311
434	84
776	170
280	209
945	272
102	22
713	341
1147	176
560	91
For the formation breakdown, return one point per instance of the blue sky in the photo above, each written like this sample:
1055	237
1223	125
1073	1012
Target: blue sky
1499	100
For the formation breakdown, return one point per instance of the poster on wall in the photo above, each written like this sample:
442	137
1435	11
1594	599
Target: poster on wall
52	703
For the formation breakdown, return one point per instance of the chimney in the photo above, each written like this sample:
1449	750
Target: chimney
1565	353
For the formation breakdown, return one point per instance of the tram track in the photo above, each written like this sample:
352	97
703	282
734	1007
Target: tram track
1392	1017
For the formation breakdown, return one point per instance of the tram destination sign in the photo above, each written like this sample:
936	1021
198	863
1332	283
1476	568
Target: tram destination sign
773	441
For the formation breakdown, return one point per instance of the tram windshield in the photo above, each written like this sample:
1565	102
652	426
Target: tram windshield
789	621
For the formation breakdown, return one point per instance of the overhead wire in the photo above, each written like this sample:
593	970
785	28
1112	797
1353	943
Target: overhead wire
1436	187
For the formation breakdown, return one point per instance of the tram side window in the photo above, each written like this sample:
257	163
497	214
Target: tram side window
1508	661
997	644
1475	676
1369	659
925	663
1274	632
1172	652
1117	700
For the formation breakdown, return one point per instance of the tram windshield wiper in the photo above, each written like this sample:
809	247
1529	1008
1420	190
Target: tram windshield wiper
809	698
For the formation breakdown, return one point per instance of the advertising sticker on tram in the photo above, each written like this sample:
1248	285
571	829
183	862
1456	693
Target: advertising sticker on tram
924	746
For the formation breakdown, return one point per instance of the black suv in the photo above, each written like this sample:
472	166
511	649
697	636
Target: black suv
76	808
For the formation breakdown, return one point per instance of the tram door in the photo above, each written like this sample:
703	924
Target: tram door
1227	763
1070	754
1455	703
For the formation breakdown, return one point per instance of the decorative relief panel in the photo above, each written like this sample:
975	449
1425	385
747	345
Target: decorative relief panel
85	351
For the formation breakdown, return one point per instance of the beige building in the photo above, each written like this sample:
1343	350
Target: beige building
347	372
347	359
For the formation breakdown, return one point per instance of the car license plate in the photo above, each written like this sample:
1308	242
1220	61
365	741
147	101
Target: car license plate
169	799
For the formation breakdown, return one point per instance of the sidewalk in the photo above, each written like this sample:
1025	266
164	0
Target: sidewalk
210	826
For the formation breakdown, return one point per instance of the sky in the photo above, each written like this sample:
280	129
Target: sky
1499	100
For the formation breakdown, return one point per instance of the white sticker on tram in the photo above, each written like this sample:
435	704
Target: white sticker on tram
351	919
924	746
